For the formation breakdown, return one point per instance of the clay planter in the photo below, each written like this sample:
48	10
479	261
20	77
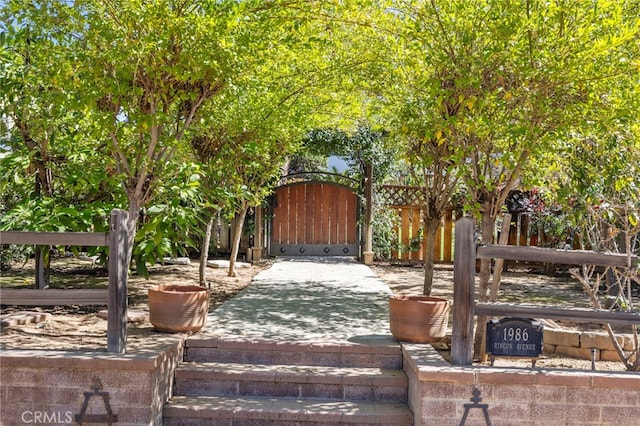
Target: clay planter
178	308
418	319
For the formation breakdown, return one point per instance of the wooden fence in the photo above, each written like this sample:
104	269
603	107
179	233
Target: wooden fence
115	297
405	201
465	307
411	245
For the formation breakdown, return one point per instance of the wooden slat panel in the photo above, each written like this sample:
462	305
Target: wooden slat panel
415	228
330	214
406	236
570	314
330	211
53	297
309	214
537	254
335	214
277	215
341	215
323	216
294	200
437	247
92	239
344	215
300	210
448	236
317	214
287	226
339	203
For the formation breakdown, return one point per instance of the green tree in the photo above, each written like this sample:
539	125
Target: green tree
499	80
596	179
147	69
57	183
245	144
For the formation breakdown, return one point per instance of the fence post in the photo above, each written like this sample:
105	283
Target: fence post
464	269
118	274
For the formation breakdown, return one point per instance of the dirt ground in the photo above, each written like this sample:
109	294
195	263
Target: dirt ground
518	285
81	328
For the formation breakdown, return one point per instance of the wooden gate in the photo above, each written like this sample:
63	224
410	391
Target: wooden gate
314	219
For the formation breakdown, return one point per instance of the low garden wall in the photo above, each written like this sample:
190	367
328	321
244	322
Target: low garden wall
60	387
441	394
579	344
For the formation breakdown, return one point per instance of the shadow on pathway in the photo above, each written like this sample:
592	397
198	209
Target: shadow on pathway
308	298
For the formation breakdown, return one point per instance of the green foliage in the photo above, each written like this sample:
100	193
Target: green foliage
491	84
170	225
384	223
362	146
101	103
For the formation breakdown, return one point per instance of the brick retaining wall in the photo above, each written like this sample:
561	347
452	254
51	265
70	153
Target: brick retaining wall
439	394
51	386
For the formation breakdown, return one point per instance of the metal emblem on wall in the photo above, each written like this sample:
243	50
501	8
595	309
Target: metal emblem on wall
108	417
476	403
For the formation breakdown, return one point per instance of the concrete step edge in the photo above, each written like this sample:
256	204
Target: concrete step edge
291	373
257	356
288	409
385	345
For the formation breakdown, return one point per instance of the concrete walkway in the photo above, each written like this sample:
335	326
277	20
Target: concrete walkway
329	299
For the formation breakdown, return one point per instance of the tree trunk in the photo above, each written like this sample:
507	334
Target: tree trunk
132	225
43	188
43	266
204	252
431	228
235	244
497	272
487	223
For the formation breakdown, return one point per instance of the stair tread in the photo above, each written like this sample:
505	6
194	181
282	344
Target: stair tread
369	345
293	373
366	352
256	408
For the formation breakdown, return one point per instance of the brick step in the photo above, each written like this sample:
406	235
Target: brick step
231	411
293	381
377	352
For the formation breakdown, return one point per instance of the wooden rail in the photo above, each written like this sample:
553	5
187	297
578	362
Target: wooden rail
90	239
115	297
465	307
568	314
565	257
53	297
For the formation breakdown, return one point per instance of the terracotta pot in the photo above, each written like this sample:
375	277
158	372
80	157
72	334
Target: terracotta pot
178	308
418	319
